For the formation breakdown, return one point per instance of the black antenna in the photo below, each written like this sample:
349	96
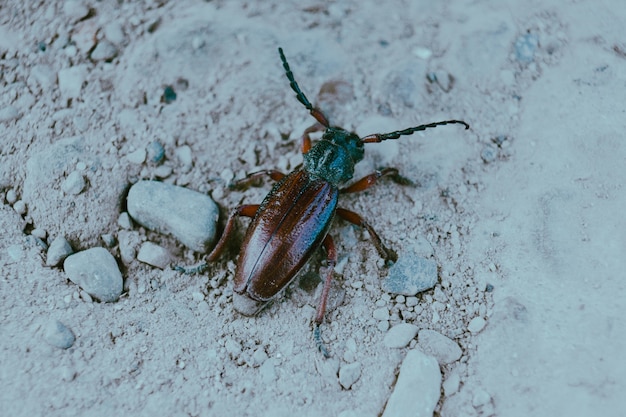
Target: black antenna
379	137
315	112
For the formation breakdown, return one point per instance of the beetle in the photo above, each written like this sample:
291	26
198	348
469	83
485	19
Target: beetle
293	220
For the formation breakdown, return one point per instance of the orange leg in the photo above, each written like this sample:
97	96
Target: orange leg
387	254
369	180
255	176
306	139
331	256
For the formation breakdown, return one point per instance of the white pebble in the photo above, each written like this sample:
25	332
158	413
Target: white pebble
137	157
419	382
476	325
442	348
349	374
76	9
451	384
381	314
74	184
71	80
124	221
155	255
59	335
20	207
11	196
400	335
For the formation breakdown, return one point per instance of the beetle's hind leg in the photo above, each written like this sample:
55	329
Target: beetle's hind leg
331	256
387	254
246	210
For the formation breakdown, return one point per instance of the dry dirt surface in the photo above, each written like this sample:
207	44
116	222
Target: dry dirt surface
523	213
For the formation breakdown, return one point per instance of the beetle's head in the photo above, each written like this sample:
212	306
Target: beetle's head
349	141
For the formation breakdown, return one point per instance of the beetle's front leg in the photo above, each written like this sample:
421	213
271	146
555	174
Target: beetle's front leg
246	210
253	177
387	254
306	139
369	180
331	256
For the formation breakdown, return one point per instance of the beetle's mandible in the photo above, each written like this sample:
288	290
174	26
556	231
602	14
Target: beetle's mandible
293	220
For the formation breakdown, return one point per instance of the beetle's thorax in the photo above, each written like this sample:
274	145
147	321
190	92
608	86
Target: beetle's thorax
333	158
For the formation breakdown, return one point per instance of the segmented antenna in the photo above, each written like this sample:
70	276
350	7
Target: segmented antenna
379	137
317	113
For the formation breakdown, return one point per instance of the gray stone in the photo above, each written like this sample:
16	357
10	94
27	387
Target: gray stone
191	217
59	249
104	51
410	275
154	255
476	324
400	335
418	387
74	184
59	335
442	348
95	271
349	374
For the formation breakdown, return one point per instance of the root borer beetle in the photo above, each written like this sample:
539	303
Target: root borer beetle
293	220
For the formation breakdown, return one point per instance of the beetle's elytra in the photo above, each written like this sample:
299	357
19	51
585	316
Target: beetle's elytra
294	218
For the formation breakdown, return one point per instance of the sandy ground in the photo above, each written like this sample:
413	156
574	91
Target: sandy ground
527	202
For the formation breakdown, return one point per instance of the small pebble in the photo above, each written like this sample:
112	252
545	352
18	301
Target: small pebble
124	221
75	9
400	335
349	374
114	33
268	372
525	47
95	271
58	250
419	383
410	275
156	152
59	335
137	157
451	384
108	239
104	51
440	347
8	114
184	155
71	80
169	95
39	233
259	357
488	154
155	255
191	217
74	184
20	207
11	196
476	325
381	313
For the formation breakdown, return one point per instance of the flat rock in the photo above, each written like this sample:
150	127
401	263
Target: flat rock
439	346
400	335
418	387
412	274
95	271
189	216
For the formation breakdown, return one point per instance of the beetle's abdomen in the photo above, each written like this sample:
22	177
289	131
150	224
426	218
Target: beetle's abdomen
289	226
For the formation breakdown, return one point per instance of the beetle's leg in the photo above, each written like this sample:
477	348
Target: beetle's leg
369	180
306	139
387	254
251	178
331	256
247	210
